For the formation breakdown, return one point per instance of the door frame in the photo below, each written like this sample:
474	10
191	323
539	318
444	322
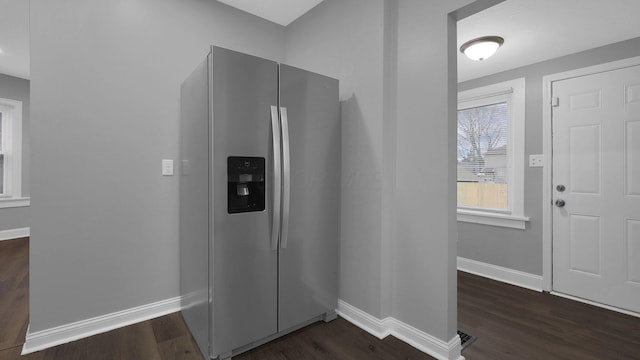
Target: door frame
547	148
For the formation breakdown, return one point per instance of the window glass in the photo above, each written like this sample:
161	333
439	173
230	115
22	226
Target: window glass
10	152
482	156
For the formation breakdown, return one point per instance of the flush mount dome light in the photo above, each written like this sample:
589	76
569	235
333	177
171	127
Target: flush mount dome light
481	48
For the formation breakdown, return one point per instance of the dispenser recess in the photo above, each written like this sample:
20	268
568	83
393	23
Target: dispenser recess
246	184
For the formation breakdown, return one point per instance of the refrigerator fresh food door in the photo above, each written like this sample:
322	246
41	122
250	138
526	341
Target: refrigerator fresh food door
244	278
309	248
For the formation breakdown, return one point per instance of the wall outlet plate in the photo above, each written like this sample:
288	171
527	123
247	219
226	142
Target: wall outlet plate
536	160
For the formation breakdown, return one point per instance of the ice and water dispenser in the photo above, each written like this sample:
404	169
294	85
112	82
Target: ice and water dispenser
246	184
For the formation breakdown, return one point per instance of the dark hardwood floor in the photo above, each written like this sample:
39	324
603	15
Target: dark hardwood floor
336	340
167	338
515	323
510	323
14	292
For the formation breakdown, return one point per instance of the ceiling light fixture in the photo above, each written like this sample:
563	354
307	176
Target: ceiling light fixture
481	48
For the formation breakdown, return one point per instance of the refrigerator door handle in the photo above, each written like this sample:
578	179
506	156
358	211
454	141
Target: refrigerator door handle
277	177
286	178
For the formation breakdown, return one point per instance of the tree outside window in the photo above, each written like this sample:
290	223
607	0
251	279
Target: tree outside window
482	156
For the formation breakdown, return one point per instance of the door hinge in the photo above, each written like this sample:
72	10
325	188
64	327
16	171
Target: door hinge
555	102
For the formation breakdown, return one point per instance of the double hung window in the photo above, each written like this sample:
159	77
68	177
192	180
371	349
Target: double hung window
11	153
490	154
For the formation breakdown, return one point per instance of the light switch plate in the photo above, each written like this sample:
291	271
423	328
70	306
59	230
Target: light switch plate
167	167
536	160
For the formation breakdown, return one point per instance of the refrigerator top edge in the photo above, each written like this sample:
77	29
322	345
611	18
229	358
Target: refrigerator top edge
215	48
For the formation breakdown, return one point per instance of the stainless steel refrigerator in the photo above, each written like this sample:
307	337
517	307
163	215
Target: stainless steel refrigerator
259	201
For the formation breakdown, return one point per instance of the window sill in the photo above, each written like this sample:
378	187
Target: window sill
12	202
493	219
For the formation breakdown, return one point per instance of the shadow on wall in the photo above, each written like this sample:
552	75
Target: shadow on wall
361	213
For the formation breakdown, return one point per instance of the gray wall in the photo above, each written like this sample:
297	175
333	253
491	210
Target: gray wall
424	256
18	89
399	229
105	82
352	52
522	249
14	218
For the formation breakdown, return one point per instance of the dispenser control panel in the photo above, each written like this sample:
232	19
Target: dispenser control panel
246	184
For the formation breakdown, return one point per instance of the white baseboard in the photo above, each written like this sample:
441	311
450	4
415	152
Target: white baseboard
389	326
499	273
44	339
14	233
369	323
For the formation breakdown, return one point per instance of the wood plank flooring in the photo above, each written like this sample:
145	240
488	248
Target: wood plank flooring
14	292
510	323
515	323
336	340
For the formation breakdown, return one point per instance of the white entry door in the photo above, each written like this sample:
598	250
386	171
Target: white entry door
596	187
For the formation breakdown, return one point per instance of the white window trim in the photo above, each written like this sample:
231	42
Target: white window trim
515	91
13	202
12	132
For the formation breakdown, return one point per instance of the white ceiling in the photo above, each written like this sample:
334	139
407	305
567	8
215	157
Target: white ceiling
534	30
281	12
538	30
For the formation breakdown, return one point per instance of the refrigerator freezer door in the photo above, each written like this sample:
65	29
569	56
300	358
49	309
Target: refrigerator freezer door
194	204
244	278
308	268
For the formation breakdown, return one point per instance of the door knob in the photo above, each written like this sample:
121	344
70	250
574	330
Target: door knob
560	203
560	188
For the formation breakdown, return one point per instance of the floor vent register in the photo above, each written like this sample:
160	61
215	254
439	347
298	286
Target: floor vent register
466	339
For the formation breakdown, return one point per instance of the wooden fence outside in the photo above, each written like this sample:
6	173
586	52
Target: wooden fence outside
486	195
